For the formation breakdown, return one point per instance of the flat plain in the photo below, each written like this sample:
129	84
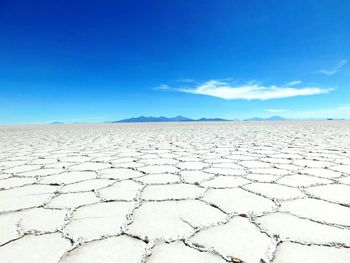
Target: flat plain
176	192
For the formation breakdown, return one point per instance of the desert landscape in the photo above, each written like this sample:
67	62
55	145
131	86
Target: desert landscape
176	192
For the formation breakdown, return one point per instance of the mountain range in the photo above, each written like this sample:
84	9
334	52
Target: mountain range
179	119
185	119
165	119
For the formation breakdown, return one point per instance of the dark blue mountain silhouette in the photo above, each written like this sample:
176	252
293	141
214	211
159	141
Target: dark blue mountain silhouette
165	119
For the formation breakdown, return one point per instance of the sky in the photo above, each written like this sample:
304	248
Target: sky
96	61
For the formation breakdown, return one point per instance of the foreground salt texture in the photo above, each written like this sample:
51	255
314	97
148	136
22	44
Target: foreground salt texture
176	192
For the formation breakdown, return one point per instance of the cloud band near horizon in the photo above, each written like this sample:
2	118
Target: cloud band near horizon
225	90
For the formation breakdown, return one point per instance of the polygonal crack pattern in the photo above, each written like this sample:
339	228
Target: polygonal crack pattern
176	192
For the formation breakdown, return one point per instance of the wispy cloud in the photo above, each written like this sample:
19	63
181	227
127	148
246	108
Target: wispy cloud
228	91
293	83
162	87
333	70
276	110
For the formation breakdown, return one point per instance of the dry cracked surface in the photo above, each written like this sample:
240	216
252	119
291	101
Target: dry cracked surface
258	192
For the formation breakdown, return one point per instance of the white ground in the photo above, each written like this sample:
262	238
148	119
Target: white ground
176	192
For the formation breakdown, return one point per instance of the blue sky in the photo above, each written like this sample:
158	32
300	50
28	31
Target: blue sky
93	61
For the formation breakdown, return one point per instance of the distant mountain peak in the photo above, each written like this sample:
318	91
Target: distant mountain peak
178	118
276	118
181	118
211	119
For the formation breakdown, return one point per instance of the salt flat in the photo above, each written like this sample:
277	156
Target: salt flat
176	192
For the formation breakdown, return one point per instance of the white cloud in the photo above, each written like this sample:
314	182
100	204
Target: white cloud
229	91
276	110
293	83
333	70
162	87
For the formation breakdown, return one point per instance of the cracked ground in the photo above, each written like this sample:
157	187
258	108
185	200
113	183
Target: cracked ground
176	192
